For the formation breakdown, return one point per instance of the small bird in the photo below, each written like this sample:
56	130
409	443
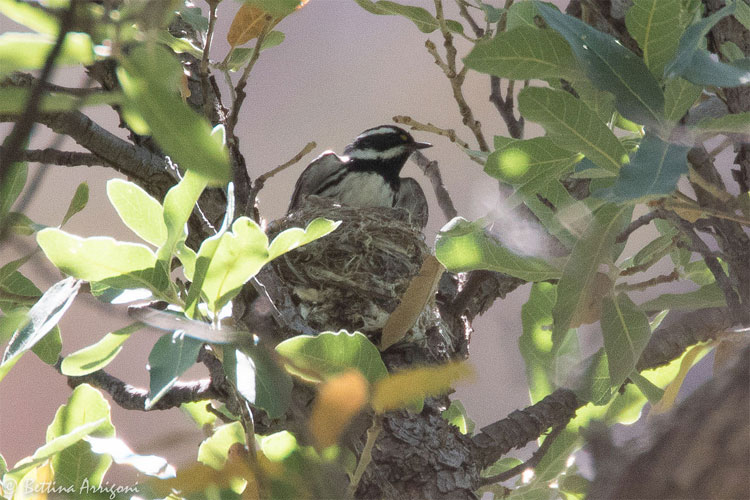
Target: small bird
367	175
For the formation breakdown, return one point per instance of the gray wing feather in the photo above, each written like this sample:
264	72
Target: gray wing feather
313	177
411	198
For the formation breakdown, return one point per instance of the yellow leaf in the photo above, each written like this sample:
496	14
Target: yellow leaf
247	24
421	289
403	388
36	483
198	477
670	392
339	400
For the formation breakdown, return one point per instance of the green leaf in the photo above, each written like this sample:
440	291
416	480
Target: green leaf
652	172
573	126
138	210
11	187
704	70
77	464
56	446
691	41
329	353
520	14
525	53
193	16
214	449
49	347
464	246
426	22
706	296
529	165
296	237
456	415
179	45
170	357
595	386
652	24
626	332
30	15
736	123
78	203
43	316
545	367
652	392
117	450
119	264
611	67
26	51
579	285
238	257
149	78
98	355
178	205
679	97
259	378
241	55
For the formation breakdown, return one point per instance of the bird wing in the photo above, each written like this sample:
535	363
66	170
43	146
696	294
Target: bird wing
314	177
411	198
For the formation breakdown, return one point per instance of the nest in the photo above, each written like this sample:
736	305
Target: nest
354	277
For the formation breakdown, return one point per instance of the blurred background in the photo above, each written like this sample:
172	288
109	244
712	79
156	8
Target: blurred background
340	70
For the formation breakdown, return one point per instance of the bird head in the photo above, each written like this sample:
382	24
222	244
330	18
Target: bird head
386	143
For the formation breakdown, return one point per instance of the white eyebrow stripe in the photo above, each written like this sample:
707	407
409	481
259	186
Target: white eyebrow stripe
377	131
374	154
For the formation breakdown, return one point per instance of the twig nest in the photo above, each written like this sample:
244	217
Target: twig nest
354	277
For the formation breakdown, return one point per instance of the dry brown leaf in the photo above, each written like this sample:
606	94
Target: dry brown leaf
421	289
247	24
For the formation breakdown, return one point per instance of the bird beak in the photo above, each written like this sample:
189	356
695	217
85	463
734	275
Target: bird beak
421	145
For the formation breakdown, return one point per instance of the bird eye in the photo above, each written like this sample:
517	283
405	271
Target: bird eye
404	138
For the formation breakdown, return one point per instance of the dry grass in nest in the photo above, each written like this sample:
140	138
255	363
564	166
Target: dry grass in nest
354	277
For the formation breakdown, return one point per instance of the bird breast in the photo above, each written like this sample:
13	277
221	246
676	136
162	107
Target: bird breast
362	189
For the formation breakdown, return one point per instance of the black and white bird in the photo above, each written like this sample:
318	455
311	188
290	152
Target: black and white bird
367	175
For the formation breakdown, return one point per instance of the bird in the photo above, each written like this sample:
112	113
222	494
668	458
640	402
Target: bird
367	174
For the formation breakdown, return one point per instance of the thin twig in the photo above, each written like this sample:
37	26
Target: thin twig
212	4
722	280
261	180
15	141
505	107
479	32
658	280
637	224
429	127
432	172
529	464
240	87
455	77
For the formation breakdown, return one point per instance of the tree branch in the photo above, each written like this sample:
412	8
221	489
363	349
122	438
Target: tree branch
432	172
15	141
62	158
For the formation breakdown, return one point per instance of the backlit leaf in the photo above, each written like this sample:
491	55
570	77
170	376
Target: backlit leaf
78	203
170	357
138	210
98	355
327	354
464	246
